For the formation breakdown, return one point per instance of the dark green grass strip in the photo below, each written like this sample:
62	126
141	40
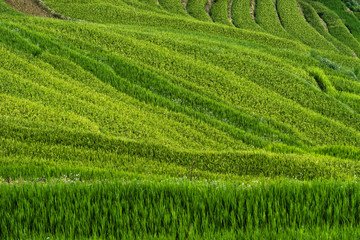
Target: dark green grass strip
268	19
196	8
241	16
66	145
336	27
219	12
349	19
173	6
315	21
296	25
175	209
344	152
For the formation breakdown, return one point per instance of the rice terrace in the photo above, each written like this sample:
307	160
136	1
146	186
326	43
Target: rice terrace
179	119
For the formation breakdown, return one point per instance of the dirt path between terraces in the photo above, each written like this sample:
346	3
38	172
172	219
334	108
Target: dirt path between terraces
28	7
252	9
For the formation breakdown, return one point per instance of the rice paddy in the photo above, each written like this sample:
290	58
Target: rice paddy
178	119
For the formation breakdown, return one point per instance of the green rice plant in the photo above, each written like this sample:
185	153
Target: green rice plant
356	71
52	98
296	25
178	208
268	18
316	22
241	16
353	5
173	6
185	95
17	107
350	63
240	163
196	8
137	54
357	14
115	119
352	100
342	84
336	27
219	12
11	37
341	71
129	12
351	22
343	152
259	75
333	65
179	23
103	129
48	162
157	80
322	80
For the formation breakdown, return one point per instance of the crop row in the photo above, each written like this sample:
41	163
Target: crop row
173	6
267	17
62	144
293	85
196	8
297	26
112	117
241	16
176	209
350	20
316	22
139	76
336	27
220	13
143	55
259	73
107	13
213	82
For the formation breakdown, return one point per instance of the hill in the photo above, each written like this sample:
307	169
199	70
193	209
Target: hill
185	92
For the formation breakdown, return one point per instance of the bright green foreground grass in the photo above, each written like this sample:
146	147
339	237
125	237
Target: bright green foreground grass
179	90
180	209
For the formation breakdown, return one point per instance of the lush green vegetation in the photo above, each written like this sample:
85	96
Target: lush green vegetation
322	27
348	18
178	209
180	119
353	5
196	8
296	25
241	15
220	12
267	17
337	28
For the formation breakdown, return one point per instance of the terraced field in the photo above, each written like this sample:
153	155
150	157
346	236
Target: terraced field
171	119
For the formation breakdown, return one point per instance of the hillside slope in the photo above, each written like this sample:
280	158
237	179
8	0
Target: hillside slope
225	90
221	89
